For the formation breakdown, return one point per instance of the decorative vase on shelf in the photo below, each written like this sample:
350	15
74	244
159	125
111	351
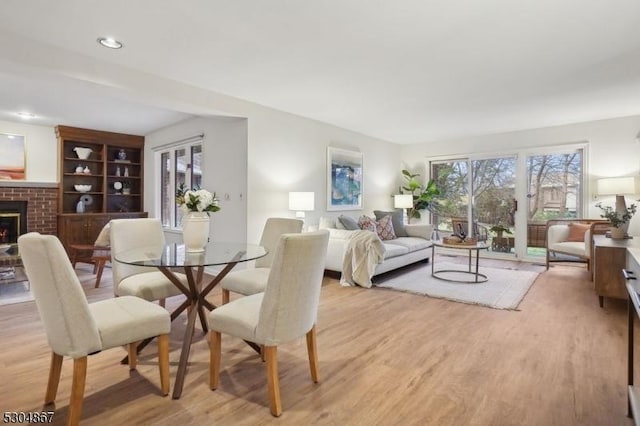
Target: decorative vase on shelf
195	231
617	233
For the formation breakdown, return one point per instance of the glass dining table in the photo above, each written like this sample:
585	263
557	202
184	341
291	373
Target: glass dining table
170	257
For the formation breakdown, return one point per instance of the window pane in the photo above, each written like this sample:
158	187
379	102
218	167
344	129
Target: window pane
196	166
180	179
166	202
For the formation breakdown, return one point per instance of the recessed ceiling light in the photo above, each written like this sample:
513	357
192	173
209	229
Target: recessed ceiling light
25	115
109	42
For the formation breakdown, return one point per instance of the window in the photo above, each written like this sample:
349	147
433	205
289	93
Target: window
179	165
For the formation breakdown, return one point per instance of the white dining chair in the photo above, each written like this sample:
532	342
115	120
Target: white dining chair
254	280
141	281
77	329
287	309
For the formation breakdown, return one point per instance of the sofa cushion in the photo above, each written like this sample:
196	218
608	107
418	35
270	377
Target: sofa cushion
384	228
412	243
394	250
348	222
396	219
366	223
327	223
577	231
570	247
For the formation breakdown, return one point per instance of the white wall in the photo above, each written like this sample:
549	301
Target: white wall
264	157
289	153
613	150
225	171
41	147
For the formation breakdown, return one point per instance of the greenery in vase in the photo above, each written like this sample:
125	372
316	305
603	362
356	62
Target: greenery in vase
498	229
423	196
196	200
611	215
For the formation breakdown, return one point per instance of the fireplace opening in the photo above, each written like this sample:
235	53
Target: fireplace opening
13	221
9	227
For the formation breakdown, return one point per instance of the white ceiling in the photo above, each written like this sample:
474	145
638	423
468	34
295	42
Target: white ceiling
406	71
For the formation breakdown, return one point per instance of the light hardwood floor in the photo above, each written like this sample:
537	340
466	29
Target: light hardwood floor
386	358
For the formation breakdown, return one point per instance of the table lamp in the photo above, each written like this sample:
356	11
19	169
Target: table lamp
301	202
403	201
618	186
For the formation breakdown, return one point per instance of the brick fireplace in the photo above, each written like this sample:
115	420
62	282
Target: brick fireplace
38	201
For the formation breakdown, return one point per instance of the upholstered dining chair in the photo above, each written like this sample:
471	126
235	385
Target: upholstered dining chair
78	329
285	311
144	282
254	280
98	253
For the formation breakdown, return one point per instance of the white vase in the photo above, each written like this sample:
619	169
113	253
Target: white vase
617	233
195	231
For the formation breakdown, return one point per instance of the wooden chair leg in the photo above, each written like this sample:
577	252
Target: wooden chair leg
77	390
133	355
100	265
271	355
54	378
215	351
163	362
312	351
225	296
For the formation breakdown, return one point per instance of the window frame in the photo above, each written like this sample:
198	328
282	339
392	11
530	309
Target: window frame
168	193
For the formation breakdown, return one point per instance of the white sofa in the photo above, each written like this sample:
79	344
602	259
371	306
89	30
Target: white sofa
399	252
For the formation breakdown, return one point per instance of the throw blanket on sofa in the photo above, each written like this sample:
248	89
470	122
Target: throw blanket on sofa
364	251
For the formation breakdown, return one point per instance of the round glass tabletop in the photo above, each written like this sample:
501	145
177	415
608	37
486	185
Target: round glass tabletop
174	255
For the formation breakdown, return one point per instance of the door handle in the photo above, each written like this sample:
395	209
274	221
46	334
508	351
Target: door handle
628	275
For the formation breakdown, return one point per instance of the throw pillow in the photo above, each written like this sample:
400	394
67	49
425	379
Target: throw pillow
396	219
348	222
366	223
384	227
577	231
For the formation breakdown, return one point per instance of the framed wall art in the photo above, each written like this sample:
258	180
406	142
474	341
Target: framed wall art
13	158
344	179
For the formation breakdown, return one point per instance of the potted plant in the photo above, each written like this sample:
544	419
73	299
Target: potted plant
423	196
617	221
499	230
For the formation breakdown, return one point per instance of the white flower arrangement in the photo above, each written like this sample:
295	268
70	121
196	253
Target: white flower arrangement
196	200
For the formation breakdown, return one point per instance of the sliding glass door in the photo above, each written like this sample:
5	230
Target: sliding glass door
480	197
478	200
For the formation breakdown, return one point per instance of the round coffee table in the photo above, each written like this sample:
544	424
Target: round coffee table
475	276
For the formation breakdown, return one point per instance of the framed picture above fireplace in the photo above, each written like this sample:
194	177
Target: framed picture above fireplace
13	159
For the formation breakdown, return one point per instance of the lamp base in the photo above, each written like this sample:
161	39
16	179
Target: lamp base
621	209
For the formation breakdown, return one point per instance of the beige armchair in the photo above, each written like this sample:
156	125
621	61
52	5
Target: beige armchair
78	329
572	238
286	310
252	281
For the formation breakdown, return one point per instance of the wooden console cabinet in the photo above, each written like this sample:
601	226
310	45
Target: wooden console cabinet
609	258
115	171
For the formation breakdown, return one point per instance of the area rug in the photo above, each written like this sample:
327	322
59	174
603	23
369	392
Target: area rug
504	289
14	292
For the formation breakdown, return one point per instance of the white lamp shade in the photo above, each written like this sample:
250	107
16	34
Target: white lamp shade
617	186
403	201
301	201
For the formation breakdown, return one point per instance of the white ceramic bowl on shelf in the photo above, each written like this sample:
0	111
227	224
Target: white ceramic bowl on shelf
82	188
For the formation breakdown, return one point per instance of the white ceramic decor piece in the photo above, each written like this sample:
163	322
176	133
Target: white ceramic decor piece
195	231
82	153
